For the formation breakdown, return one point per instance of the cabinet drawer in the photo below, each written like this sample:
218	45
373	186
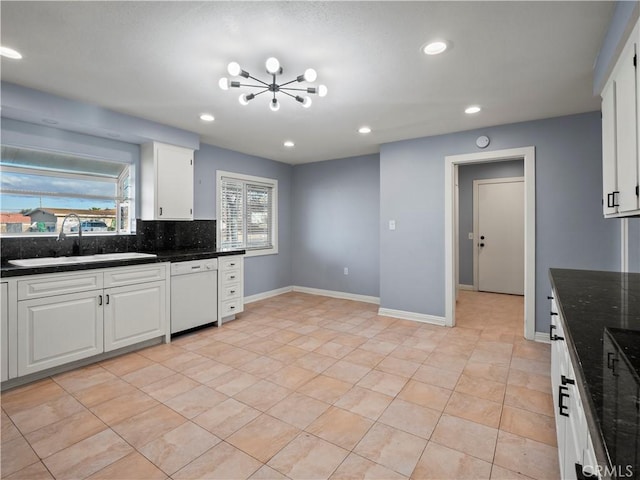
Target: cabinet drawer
229	263
58	284
228	278
230	292
130	275
230	307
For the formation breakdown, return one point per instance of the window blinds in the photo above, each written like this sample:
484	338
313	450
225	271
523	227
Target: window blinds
246	214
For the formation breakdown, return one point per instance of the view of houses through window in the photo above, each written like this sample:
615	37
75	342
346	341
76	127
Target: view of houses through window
39	189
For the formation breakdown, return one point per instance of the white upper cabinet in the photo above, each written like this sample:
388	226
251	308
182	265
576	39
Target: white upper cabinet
621	133
167	182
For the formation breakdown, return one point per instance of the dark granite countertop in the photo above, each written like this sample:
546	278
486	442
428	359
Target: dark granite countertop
8	270
601	315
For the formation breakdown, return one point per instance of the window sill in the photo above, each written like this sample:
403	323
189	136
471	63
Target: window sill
261	252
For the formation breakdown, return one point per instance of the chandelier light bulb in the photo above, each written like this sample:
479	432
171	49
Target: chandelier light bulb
322	90
310	75
243	99
274	105
307	102
234	69
273	65
224	83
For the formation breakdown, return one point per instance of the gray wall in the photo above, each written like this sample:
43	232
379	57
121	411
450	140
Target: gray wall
570	229
336	224
266	272
466	175
634	245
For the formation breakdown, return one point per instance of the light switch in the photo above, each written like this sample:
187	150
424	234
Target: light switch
392	224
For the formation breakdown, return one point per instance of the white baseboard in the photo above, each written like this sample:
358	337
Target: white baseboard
462	286
416	317
542	337
269	294
343	295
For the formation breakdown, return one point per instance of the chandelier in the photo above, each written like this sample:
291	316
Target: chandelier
274	69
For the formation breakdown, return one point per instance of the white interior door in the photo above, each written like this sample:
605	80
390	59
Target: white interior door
499	235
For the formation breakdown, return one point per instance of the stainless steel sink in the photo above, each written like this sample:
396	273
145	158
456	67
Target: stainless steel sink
101	257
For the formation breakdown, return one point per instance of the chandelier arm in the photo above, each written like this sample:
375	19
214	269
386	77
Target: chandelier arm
258	80
291	88
287	93
289	82
260	93
253	86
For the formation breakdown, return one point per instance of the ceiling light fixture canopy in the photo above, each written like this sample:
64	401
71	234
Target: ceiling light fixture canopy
274	69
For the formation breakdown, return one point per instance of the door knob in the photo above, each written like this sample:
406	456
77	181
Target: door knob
482	237
482	244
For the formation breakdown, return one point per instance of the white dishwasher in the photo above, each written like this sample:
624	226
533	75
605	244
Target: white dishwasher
194	294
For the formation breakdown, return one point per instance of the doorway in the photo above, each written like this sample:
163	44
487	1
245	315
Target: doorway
498	225
527	155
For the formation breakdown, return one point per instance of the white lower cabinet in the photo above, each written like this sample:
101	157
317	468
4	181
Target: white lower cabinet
133	314
575	449
56	330
4	334
99	311
230	286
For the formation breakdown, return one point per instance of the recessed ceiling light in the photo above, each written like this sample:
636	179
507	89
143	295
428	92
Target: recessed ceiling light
472	109
434	48
364	130
289	144
10	53
207	117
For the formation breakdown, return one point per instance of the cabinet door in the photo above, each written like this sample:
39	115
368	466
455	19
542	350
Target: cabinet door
4	337
133	314
174	178
626	130
56	330
609	173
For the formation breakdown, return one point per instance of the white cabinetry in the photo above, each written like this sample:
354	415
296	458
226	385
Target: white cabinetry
621	133
59	320
67	317
135	305
4	335
167	182
575	449
230	286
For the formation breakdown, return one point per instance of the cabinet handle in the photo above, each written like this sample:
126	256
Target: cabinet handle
107	299
549	298
553	336
99	300
612	199
232	277
232	292
553	313
611	363
160	210
582	475
561	396
567	381
232	307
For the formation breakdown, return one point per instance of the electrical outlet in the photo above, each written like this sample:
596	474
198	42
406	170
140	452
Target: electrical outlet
470	235
392	224
346	270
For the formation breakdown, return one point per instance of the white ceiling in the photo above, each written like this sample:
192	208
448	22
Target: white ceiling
162	61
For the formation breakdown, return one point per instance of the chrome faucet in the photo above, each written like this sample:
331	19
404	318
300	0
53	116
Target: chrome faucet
62	235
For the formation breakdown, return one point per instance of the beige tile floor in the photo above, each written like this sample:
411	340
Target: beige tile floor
300	386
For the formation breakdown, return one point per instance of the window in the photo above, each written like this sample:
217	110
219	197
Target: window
247	209
38	189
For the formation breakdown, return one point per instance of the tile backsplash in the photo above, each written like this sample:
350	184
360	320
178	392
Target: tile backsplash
159	235
151	236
